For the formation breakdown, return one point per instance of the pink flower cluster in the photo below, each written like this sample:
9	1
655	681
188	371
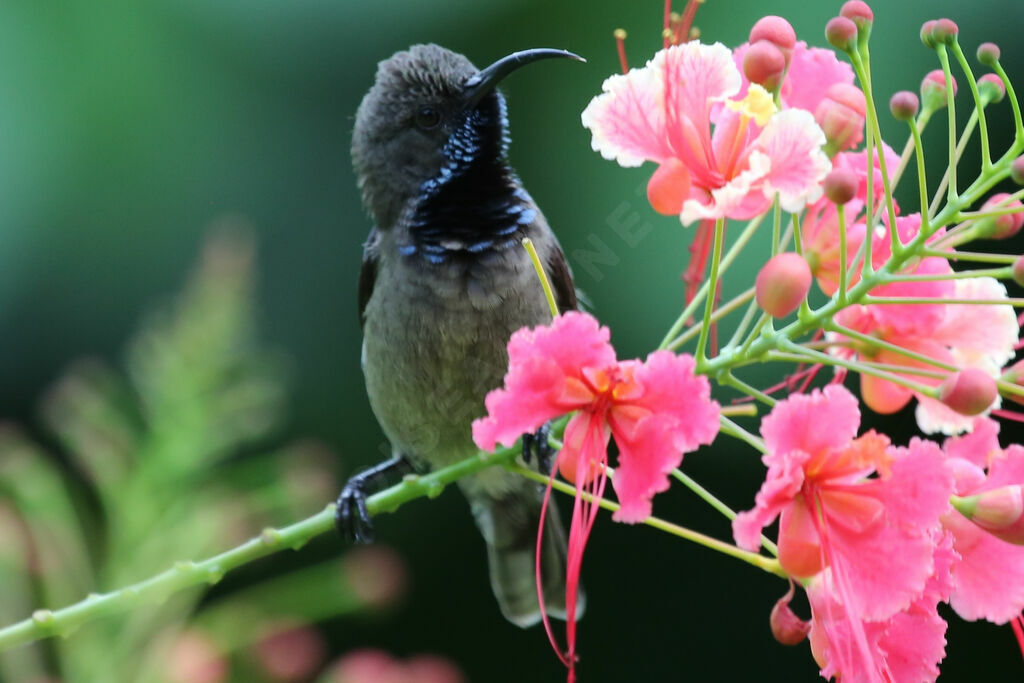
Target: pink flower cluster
867	526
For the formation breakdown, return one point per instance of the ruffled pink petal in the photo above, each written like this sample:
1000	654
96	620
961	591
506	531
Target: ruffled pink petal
627	120
977	446
740	198
812	423
540	361
782	483
792	140
671	388
645	460
914	496
811	71
696	76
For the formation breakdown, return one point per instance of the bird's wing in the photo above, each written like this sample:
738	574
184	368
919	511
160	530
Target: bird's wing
561	281
368	272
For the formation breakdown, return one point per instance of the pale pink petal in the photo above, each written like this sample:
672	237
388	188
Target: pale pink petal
540	360
671	388
782	483
695	77
645	460
812	423
977	446
935	417
627	121
858	163
989	579
792	140
990	331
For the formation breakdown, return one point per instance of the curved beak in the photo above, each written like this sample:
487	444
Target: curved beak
484	81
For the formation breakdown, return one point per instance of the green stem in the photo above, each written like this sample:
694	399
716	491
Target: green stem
922	181
727	426
736	383
977	256
960	147
875	342
719	313
45	623
998	273
843	277
716	261
767	564
1016	303
541	275
951	192
979	107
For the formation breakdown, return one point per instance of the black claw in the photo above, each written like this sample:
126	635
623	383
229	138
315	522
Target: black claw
351	516
536	446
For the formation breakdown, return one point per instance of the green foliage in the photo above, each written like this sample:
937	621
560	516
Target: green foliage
176	458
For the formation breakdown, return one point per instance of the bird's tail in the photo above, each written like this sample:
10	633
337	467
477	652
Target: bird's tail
509	526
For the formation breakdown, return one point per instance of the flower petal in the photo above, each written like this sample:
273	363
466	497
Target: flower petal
670	387
792	140
627	120
643	466
812	423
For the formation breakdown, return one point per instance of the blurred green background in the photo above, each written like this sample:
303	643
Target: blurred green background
127	129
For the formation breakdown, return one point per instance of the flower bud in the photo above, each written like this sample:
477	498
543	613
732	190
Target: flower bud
776	31
1018	272
841	185
290	651
999	512
991	89
787	627
840	113
841	33
904	105
1015	373
1004	226
669	187
782	284
764	64
944	31
859	13
969	391
933	89
1017	170
988	54
926	33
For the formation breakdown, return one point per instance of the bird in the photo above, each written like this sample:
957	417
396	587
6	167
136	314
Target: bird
444	283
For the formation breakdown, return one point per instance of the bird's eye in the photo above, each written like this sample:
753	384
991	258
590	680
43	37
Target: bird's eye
428	118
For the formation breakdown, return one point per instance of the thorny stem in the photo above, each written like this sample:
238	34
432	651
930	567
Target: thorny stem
45	623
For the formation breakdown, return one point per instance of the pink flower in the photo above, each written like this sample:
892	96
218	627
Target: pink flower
848	506
663	112
988	579
656	410
811	71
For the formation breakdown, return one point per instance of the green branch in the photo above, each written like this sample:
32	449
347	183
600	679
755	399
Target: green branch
45	623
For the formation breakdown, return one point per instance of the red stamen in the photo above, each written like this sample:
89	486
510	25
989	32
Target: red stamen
620	43
700	250
537	574
1017	623
686	21
666	31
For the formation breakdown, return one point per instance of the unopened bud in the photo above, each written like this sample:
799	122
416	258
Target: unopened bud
988	54
1004	226
669	187
933	89
1017	170
999	512
776	31
904	105
859	13
841	185
764	64
1018	271
787	627
841	33
969	391
991	89
926	33
944	31
782	284
840	113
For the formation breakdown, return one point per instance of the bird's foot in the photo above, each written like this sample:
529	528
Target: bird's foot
351	516
536	446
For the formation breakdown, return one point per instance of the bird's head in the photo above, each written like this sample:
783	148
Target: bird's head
429	114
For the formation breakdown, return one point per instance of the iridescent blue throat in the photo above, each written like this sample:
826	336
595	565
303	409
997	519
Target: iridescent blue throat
475	204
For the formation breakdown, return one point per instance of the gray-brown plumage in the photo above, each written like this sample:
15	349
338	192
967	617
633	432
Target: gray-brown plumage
444	283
